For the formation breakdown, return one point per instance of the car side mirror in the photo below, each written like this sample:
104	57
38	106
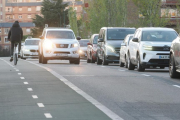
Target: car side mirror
123	44
135	40
89	44
100	40
41	37
78	38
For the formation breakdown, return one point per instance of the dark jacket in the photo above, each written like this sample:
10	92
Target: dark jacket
15	33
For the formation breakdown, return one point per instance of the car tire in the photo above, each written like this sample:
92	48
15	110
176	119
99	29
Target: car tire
120	63
44	60
99	61
130	65
104	62
172	68
71	61
40	58
92	60
77	61
139	66
88	60
126	62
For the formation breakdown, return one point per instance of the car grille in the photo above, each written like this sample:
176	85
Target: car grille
117	49
62	45
159	61
57	52
160	48
34	50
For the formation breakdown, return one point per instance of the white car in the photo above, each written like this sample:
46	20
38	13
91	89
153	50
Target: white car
60	44
83	48
150	47
123	51
30	48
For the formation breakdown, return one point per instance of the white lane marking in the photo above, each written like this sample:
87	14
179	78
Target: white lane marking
7	62
48	115
121	70
30	89
145	75
19	73
103	66
26	83
22	78
176	86
40	104
78	75
34	96
100	106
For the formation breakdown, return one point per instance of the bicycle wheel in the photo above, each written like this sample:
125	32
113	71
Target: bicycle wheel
15	59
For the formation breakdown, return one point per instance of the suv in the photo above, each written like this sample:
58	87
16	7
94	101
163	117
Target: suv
150	47
174	63
109	44
58	43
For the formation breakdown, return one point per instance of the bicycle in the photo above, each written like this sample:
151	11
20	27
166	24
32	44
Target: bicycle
15	53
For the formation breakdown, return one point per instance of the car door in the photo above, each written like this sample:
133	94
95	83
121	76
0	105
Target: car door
123	49
136	50
133	48
99	45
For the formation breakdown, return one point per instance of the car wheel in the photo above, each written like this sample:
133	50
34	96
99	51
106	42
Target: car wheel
139	66
130	65
77	61
126	62
172	68
99	61
120	63
71	61
92	60
40	58
104	62
88	60
44	60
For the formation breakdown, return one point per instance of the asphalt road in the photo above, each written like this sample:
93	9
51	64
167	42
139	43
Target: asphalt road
86	92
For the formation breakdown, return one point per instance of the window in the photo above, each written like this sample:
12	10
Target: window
29	16
29	9
75	8
20	9
0	38
28	30
6	30
6	39
20	16
38	8
8	9
0	30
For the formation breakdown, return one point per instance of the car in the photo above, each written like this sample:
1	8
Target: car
150	47
30	48
83	48
109	43
92	49
123	51
59	44
174	62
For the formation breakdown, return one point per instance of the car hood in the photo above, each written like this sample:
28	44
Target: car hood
83	48
157	43
64	41
34	47
115	43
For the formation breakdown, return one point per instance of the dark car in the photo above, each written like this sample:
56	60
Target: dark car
174	62
83	48
109	44
92	49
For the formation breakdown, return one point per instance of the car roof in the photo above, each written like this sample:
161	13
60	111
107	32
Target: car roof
83	39
33	39
117	28
156	28
57	28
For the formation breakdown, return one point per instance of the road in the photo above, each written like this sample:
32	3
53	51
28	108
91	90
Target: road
63	91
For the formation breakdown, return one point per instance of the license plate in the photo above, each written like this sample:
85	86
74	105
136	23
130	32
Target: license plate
164	57
64	55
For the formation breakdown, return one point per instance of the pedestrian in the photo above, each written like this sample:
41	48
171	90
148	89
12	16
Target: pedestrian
15	35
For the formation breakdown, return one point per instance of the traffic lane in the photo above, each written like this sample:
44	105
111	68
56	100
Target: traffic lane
127	93
15	103
59	100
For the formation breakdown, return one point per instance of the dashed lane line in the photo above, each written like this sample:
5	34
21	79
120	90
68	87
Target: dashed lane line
22	78
176	86
30	89
79	75
100	106
40	104
48	115
19	74
121	70
26	83
35	96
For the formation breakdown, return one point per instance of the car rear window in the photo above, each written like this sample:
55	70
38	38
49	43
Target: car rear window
60	35
118	34
32	42
164	36
95	39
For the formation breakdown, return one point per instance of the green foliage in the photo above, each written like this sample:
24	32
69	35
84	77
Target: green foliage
73	20
53	14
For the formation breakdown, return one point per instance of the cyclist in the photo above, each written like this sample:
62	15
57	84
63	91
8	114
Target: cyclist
15	35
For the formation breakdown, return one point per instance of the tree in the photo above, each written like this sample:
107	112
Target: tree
53	13
73	21
150	11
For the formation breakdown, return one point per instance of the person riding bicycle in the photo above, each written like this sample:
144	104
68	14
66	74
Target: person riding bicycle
15	35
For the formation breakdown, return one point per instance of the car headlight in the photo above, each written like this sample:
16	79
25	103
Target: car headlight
48	45
75	45
27	50
147	47
80	51
110	48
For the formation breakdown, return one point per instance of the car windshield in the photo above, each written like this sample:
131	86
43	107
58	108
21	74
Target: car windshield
83	43
118	34
60	35
95	39
32	42
164	36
